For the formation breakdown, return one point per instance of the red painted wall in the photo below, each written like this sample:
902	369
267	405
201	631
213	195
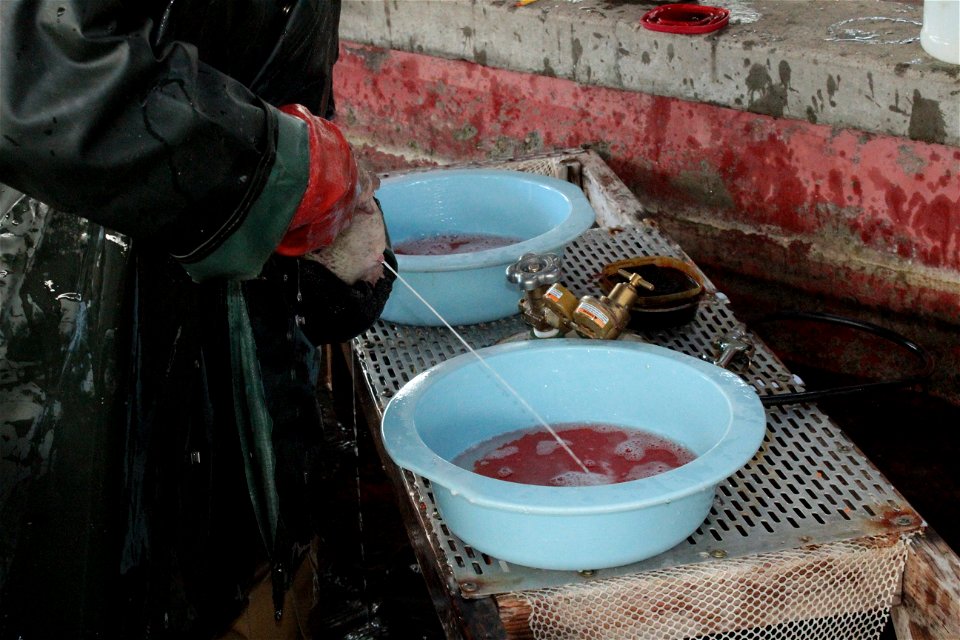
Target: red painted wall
849	213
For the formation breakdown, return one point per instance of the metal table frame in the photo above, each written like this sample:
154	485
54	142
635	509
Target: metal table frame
808	486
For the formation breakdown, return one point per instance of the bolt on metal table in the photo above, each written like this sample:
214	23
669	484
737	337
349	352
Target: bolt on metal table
808	540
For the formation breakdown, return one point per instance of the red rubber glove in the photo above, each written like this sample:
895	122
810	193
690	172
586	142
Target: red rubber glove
332	190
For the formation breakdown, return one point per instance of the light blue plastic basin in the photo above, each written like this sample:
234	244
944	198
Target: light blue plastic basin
458	404
468	288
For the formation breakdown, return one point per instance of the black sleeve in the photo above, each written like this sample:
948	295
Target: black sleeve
96	120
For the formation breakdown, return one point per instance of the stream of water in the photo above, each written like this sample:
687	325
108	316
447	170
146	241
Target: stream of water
497	376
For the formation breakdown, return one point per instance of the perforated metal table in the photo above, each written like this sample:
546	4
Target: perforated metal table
808	540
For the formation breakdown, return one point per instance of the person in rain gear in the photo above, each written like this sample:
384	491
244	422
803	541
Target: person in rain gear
180	229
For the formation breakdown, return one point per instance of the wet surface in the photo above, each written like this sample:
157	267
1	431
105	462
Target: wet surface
59	331
909	433
373	590
391	599
875	30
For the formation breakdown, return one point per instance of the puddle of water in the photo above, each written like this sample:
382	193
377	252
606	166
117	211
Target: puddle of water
875	30
741	11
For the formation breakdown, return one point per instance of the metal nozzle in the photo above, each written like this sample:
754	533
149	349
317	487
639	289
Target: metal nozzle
731	345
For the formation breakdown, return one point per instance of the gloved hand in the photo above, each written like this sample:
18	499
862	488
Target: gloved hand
333	188
357	252
338	223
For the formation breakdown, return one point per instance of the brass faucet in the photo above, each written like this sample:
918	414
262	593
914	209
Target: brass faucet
606	317
551	309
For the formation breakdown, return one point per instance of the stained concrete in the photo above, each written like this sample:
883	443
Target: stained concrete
836	161
847	212
767	148
844	63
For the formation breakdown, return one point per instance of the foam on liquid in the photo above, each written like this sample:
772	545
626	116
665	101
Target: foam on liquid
452	243
611	454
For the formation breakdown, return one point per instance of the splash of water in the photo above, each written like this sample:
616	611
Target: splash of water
356	453
867	30
741	12
503	383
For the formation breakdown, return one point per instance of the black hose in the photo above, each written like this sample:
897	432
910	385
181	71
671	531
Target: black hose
924	371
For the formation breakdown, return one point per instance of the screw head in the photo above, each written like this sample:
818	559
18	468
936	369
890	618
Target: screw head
903	521
468	587
718	553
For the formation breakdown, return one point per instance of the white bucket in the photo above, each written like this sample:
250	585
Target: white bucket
940	35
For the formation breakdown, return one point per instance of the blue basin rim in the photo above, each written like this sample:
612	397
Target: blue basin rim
728	455
580	218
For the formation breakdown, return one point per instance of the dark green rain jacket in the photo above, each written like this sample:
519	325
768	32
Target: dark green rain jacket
143	164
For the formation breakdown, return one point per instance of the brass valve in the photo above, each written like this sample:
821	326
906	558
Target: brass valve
605	318
538	275
551	309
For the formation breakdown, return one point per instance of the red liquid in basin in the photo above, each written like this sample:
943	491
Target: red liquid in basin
450	243
612	454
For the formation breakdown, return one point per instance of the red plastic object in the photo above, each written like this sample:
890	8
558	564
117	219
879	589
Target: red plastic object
329	201
685	18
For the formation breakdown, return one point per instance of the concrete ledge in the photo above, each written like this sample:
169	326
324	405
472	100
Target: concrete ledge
784	58
742	177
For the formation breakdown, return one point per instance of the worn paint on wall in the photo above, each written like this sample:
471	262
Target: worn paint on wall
791	181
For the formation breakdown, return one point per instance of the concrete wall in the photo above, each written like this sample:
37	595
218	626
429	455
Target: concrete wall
777	147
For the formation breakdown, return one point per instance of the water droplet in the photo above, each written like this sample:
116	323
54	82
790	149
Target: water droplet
117	239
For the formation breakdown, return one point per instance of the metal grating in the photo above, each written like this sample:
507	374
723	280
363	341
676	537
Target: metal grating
808	485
